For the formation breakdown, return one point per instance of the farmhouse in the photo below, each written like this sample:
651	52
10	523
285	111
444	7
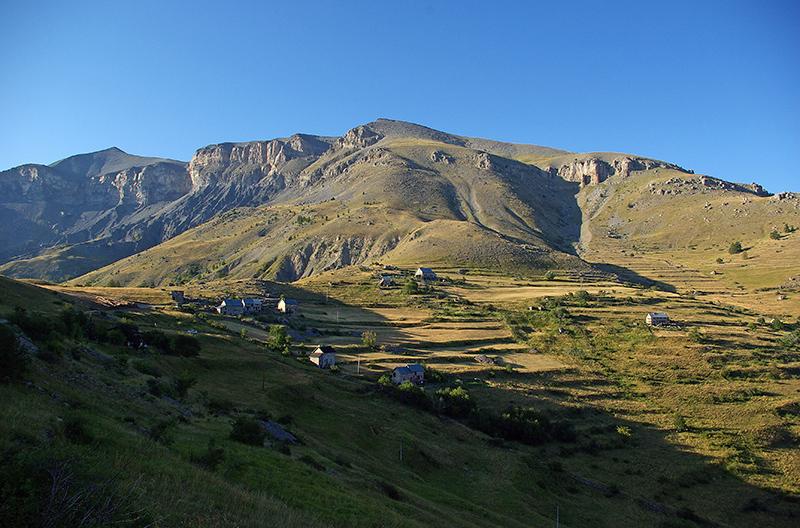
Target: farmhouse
287	305
231	307
387	281
252	305
414	372
425	274
324	356
657	319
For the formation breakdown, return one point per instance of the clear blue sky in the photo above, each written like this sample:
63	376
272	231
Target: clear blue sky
713	86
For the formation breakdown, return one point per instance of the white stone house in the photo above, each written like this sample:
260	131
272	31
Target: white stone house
414	372
287	305
252	305
425	274
323	356
231	307
657	319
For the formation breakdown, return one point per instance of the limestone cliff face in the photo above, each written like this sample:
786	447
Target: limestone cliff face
359	137
253	161
142	186
593	170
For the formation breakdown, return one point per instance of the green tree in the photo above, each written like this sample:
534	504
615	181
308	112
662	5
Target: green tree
774	235
369	339
279	339
411	288
735	247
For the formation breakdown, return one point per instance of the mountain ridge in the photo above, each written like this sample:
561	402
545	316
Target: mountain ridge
121	209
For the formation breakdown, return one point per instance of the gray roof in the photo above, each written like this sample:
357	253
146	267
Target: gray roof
416	367
402	370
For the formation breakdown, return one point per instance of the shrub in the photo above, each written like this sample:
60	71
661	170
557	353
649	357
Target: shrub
159	340
13	361
369	339
408	393
735	247
550	275
455	402
248	431
411	287
279	339
776	324
679	422
186	345
774	235
696	335
720	260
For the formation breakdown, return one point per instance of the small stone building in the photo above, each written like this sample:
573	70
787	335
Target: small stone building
231	307
425	274
657	319
287	305
414	372
387	281
323	356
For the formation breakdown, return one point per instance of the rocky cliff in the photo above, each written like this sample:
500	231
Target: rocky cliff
593	169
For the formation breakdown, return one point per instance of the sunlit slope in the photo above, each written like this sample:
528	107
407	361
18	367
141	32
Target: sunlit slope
678	228
407	201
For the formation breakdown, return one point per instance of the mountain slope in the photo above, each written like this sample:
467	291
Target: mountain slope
290	207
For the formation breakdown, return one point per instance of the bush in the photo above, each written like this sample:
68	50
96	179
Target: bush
735	247
158	339
455	402
407	393
774	235
550	275
36	326
369	339
185	346
248	431
679	422
279	339
13	361
411	287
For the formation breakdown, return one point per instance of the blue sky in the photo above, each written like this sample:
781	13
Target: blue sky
713	86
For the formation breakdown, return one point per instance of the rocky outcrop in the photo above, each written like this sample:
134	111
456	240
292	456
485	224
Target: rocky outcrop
226	162
142	186
358	137
593	170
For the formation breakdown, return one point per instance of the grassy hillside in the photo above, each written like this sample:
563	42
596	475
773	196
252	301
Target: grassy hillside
672	227
96	415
